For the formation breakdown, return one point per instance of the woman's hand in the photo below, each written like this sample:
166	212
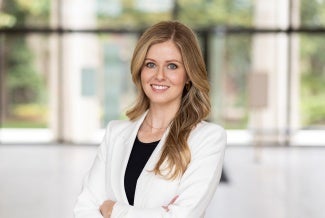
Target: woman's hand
170	203
106	208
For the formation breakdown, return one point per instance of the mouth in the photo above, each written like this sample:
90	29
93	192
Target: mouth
159	87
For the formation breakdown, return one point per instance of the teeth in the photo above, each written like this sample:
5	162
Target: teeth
160	87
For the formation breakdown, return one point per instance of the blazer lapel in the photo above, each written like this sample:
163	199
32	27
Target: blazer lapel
122	151
141	192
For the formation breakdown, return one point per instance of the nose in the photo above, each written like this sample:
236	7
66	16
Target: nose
160	73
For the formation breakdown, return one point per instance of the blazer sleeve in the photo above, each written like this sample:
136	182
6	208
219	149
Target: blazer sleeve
197	185
93	190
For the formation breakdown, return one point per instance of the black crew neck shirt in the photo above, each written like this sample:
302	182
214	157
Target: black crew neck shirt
139	156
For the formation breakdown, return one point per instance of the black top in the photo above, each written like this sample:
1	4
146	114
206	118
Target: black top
139	156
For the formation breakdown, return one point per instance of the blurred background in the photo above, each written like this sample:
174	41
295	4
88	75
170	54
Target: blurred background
64	73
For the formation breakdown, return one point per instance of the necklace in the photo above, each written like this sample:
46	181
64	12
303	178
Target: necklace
161	128
158	128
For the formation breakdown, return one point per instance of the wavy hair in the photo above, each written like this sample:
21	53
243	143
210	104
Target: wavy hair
195	104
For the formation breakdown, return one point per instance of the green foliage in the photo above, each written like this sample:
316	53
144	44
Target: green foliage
25	12
312	12
236	65
127	15
313	108
196	13
30	112
6	20
238	58
312	65
35	8
23	124
312	80
237	124
312	100
208	13
23	82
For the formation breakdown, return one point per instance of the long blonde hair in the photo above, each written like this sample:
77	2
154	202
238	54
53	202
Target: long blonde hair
195	105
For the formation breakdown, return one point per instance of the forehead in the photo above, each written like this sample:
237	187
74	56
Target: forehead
165	50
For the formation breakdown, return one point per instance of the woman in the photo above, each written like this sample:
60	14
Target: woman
165	161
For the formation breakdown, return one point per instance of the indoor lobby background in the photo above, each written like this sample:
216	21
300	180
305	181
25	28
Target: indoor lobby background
64	73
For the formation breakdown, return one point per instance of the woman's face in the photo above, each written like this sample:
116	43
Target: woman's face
163	75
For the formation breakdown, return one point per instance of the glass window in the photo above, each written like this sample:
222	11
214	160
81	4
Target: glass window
214	12
74	82
133	14
20	13
24	81
229	66
117	90
312	13
116	14
312	80
96	82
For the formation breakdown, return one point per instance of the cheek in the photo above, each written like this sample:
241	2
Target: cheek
179	78
143	77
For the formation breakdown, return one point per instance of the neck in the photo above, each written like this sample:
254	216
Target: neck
147	121
159	118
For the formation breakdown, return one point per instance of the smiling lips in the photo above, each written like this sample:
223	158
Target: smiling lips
156	87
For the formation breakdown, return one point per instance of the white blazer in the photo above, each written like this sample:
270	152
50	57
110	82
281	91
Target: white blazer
195	188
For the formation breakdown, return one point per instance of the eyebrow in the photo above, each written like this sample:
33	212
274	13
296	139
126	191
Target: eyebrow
172	60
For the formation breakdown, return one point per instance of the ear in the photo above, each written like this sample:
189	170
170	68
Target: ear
188	85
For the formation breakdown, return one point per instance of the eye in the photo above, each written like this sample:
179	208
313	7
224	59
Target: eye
172	66
150	65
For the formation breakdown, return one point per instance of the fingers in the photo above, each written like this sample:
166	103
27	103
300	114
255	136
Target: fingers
106	208
173	200
170	203
102	210
166	208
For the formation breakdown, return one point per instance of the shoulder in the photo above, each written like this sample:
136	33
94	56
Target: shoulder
118	123
115	126
207	135
206	129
